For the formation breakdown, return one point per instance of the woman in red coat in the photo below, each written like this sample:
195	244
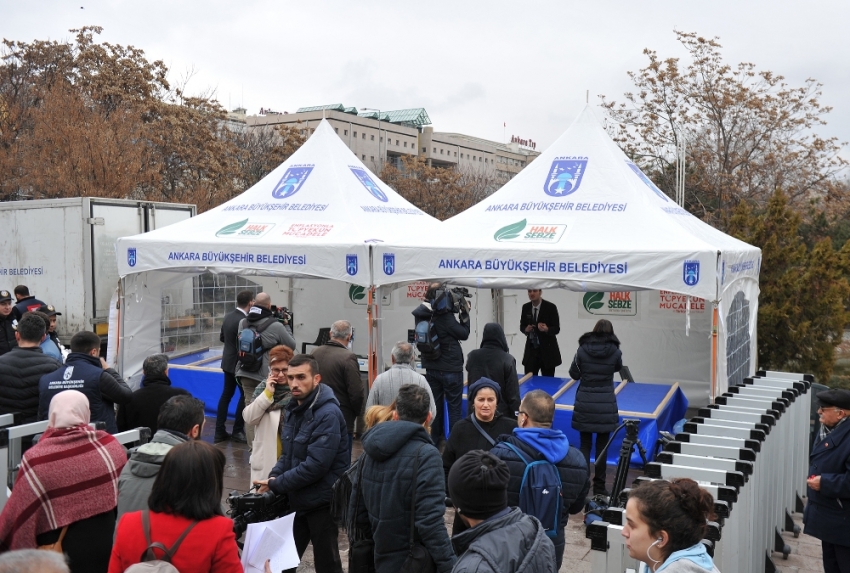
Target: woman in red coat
186	496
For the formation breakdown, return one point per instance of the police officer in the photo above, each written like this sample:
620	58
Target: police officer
828	509
7	323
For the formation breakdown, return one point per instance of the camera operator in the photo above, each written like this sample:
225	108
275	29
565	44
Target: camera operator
445	374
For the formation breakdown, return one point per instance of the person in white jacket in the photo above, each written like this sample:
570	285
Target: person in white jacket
265	413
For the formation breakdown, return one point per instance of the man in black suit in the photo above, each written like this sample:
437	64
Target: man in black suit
541	325
229	335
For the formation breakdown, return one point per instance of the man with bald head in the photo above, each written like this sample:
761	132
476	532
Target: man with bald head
271	332
341	372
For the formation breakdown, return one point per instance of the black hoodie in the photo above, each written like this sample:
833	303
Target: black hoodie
493	361
597	359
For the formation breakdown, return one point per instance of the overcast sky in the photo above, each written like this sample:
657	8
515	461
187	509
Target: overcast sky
473	65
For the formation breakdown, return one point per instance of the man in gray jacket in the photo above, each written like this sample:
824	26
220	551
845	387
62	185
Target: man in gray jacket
272	332
385	387
180	419
499	538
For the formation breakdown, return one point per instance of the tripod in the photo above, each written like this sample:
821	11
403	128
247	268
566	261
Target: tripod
629	442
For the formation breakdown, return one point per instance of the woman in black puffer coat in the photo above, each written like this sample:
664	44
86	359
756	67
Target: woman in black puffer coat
595	411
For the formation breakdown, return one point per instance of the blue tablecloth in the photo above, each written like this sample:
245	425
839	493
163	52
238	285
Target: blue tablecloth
200	373
637	400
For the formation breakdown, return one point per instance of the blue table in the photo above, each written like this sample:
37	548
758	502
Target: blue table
657	406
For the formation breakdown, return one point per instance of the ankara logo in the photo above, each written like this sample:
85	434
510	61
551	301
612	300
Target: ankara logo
564	176
292	180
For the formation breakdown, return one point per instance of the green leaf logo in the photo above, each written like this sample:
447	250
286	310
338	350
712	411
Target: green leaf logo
593	301
512	231
231	229
356	293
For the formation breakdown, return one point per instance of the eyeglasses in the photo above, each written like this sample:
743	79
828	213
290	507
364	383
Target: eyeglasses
521	412
278	371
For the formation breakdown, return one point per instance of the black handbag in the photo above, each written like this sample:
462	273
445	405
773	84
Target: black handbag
361	546
418	560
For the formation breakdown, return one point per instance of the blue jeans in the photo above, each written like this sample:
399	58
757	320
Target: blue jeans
448	386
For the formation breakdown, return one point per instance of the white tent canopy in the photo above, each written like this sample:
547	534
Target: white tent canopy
314	216
583	217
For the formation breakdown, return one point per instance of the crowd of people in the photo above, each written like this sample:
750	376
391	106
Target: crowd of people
81	494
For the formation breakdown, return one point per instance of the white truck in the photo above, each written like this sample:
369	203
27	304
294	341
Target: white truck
63	250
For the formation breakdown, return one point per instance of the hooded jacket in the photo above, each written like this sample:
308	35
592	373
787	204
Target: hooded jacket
512	543
449	332
493	361
553	446
694	559
315	450
20	371
597	359
274	334
143	409
137	477
386	493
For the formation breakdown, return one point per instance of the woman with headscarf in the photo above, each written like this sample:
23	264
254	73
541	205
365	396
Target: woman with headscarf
479	430
67	489
494	361
266	413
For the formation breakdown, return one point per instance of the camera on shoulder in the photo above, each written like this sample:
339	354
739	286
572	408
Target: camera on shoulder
450	299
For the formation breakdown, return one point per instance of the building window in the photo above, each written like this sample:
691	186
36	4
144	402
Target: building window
372	138
364	157
355	134
336	129
396	141
405	144
380	140
345	132
486	160
372	158
473	158
480	159
364	136
455	153
424	149
435	150
441	151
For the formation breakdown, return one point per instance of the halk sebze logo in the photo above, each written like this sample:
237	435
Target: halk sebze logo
565	176
525	232
244	230
292	180
610	303
369	184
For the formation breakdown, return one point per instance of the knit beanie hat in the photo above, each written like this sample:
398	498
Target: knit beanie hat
484	383
478	484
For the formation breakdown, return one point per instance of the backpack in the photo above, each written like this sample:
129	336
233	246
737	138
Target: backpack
250	346
540	492
427	341
148	563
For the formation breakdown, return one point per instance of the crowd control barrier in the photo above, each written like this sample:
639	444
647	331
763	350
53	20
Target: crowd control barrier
750	450
11	437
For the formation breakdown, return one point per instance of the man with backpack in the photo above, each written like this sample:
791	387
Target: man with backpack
442	356
500	538
549	477
258	333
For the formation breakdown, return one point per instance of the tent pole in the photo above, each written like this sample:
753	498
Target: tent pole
370	321
714	352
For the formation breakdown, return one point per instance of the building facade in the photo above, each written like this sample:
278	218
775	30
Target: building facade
379	137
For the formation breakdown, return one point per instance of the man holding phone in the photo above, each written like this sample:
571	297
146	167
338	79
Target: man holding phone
541	325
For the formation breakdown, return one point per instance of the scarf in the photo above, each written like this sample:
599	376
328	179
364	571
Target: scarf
71	474
282	395
824	431
67	409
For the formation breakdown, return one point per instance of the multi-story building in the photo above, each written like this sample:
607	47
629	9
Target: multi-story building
387	136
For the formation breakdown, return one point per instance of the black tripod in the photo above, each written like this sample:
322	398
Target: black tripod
629	442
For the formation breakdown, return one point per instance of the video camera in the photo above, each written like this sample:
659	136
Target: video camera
246	508
450	299
283	314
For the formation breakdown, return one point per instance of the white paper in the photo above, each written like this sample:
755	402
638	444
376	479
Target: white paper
271	540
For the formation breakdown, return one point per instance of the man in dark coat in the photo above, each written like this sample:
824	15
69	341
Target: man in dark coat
86	372
540	323
595	409
391	450
315	454
828	509
445	374
228	335
341	372
7	327
143	409
493	361
537	440
22	367
500	538
26	302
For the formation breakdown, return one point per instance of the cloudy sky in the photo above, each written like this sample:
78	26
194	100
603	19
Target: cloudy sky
473	65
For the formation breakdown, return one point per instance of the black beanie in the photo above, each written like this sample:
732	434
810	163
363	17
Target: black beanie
478	484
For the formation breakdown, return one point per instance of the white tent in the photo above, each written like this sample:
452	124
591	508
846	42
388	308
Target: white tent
583	217
314	216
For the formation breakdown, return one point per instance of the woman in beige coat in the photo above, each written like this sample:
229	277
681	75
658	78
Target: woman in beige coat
266	413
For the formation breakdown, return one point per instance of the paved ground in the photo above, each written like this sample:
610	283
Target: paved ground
805	554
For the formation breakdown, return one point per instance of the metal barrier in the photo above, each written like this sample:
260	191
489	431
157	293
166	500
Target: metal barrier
749	449
10	447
